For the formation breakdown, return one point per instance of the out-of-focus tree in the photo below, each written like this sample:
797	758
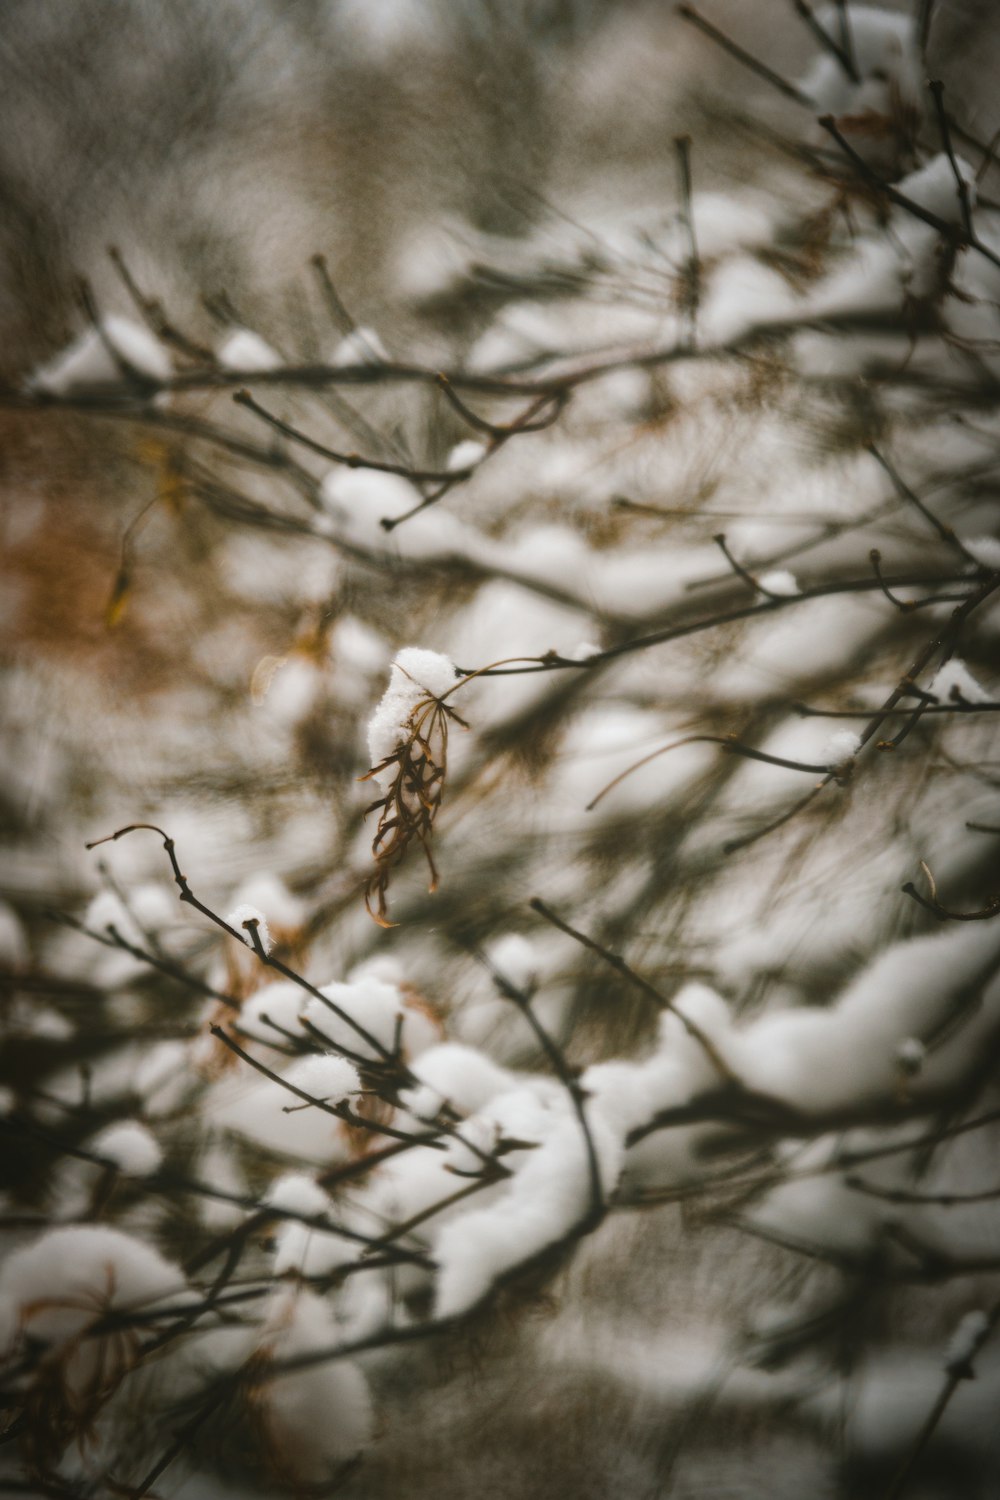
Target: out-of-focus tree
502	918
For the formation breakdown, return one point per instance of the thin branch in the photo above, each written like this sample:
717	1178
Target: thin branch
350	460
837	50
560	1067
948	231
339	316
905	493
728	743
943	914
790	90
189	898
690	297
962	187
953	1380
616	962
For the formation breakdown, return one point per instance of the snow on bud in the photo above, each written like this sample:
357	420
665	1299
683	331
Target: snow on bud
416	674
911	1054
985	549
424	1103
780	581
244	913
272	1010
466	455
90	360
516	958
270	893
954	683
297	1193
841	748
13	939
362	347
326	1077
129	1147
965	1343
243	349
935	189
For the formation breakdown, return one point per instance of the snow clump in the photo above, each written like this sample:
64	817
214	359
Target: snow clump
129	1147
416	673
103	356
238	918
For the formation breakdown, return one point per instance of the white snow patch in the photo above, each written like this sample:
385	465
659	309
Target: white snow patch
954	681
463	1076
841	748
416	673
60	1284
326	1077
466	455
269	893
281	1003
129	1147
89	360
779	581
966	1341
246	913
242	349
985	549
361	347
317	1418
297	1193
373	1006
543	1202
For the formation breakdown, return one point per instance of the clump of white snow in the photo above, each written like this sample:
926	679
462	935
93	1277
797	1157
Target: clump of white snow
966	1341
55	1287
935	188
911	1054
461	1076
545	1200
466	455
841	748
297	1193
325	1076
954	683
884	47
985	549
242	349
130	1147
280	1003
416	674
779	581
244	913
316	1418
516	958
90	360
300	1248
375	1008
361	347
